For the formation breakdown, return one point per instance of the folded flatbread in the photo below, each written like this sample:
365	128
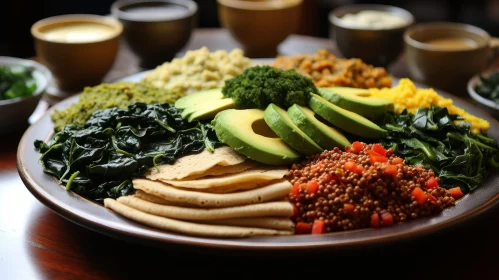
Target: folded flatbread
260	222
248	179
276	190
189	228
267	209
196	164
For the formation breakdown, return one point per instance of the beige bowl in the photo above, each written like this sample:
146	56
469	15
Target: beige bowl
76	60
260	26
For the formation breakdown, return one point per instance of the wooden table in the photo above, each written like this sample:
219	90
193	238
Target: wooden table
35	243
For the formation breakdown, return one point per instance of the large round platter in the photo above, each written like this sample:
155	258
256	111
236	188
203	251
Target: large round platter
95	217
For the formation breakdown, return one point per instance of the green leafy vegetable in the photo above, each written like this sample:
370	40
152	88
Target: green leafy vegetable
259	86
489	88
99	159
432	138
16	82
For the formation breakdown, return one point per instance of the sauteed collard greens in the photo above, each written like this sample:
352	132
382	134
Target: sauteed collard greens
432	138
16	82
98	159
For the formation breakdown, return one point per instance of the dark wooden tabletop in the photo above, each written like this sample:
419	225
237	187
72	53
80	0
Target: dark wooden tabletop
36	243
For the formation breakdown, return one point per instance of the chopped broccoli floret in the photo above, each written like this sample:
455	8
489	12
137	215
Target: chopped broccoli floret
259	86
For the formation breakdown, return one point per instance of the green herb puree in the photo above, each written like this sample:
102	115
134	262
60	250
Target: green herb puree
104	96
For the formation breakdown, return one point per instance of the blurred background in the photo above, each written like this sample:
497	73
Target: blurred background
17	16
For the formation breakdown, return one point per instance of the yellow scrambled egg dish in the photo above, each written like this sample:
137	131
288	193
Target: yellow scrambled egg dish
406	96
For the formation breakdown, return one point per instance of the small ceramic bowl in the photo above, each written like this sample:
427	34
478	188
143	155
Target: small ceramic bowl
156	30
14	113
80	56
376	46
486	104
260	26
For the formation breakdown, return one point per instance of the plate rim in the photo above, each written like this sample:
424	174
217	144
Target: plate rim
168	238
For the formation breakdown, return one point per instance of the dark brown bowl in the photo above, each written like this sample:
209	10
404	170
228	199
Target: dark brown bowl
379	47
158	36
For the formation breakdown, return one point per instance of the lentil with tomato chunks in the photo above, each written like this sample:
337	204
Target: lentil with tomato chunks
360	188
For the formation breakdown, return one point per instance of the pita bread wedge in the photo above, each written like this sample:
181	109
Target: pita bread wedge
248	179
188	227
260	222
196	164
276	190
273	209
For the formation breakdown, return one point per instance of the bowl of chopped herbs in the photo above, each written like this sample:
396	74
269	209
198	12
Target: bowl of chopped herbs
483	88
22	83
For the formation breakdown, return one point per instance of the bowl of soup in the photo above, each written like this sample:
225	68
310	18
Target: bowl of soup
371	32
446	55
79	50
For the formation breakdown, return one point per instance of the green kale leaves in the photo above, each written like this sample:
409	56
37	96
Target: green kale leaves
99	159
434	139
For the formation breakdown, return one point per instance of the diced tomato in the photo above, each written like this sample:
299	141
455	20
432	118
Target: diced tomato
397	160
387	218
359	169
375	220
358	146
312	187
302	228
348	207
390	169
373	153
456	192
431	183
348	149
375	159
296	190
318	227
350	166
379	149
420	195
431	198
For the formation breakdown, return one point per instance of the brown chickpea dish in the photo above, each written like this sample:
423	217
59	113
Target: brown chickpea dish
327	70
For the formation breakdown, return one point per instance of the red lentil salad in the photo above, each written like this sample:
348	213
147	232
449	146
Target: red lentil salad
364	186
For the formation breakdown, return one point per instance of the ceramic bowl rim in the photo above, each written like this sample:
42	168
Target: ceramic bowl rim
474	81
444	25
259	6
335	20
42	83
192	8
105	20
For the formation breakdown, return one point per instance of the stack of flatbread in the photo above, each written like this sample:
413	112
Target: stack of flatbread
220	194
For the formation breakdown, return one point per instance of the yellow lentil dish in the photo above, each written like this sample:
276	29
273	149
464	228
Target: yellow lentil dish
407	96
327	70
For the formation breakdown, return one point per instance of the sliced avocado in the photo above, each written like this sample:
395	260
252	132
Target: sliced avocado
199	98
247	133
279	121
210	109
357	100
349	121
324	135
189	110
